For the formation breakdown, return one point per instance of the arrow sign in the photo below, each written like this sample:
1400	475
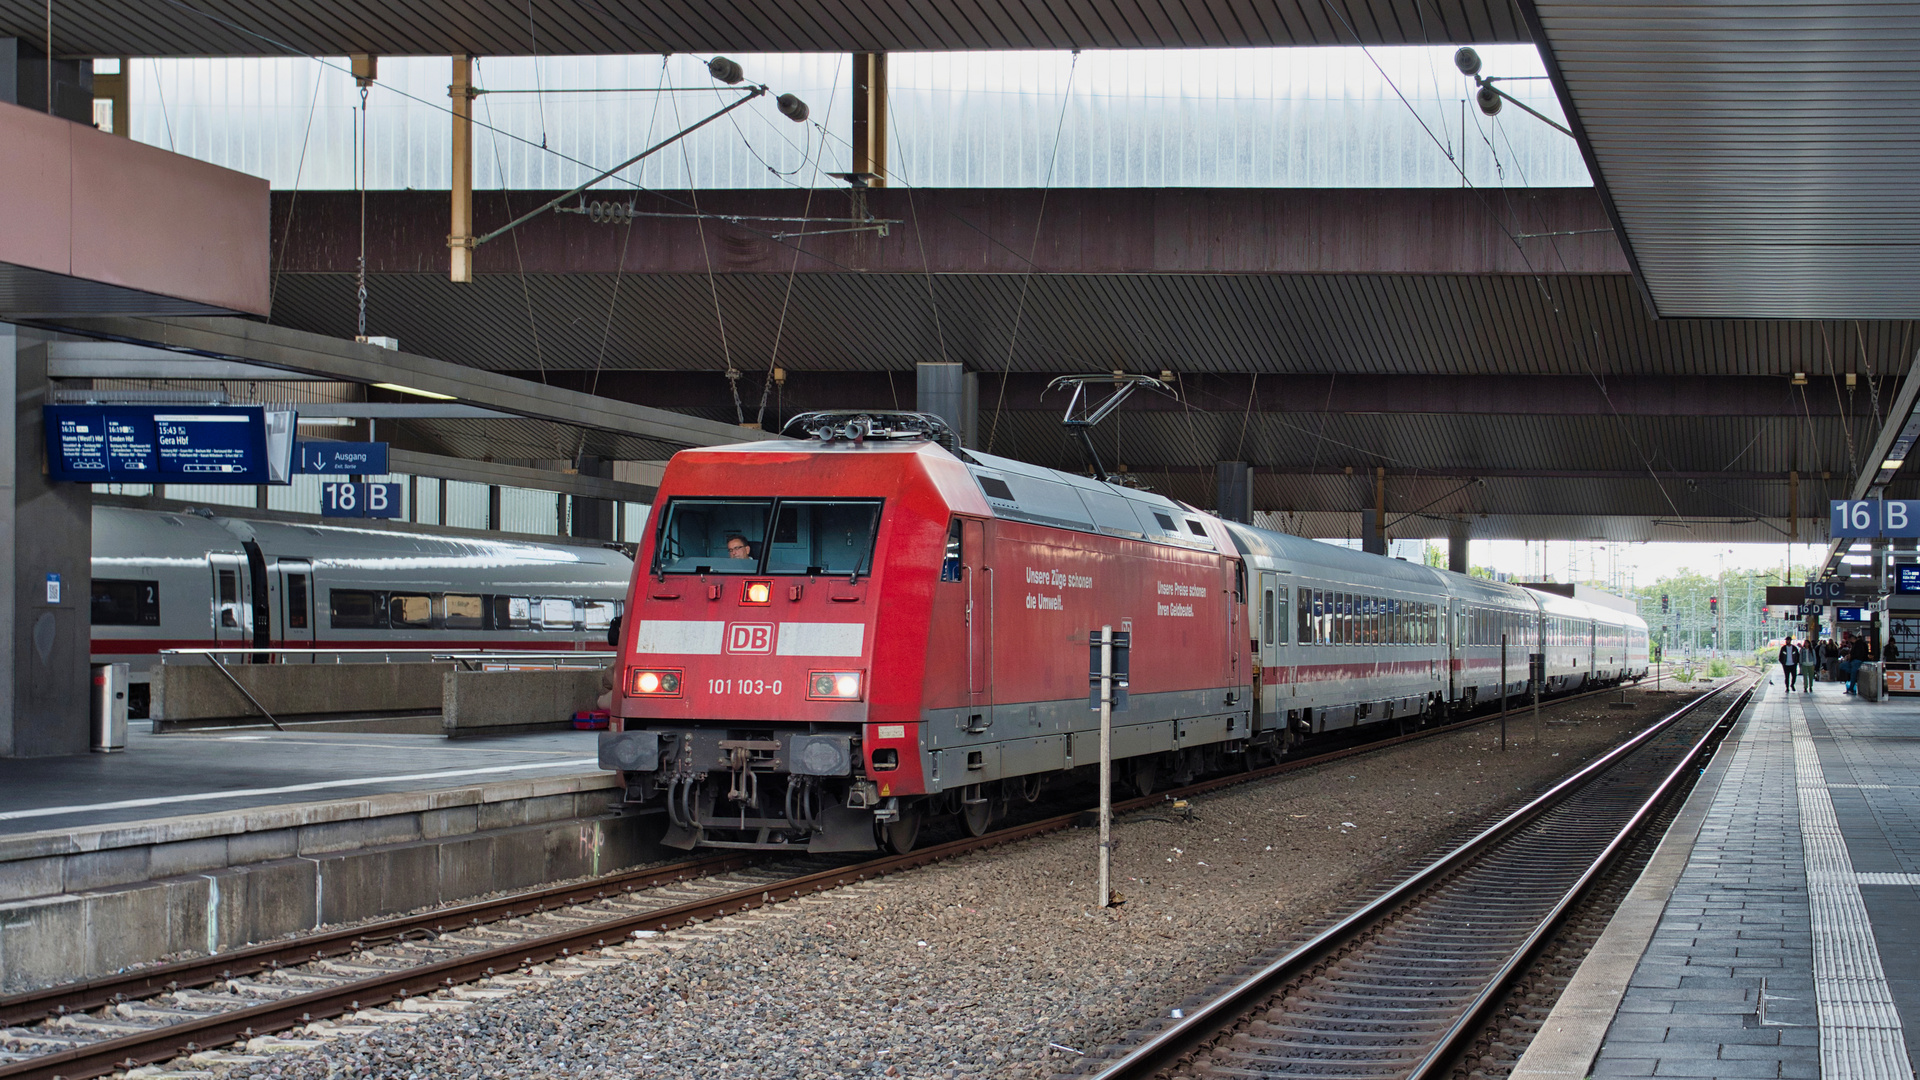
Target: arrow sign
340	458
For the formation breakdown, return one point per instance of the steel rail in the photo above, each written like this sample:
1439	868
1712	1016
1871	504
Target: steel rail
160	978
1480	1010
182	974
1205	1023
162	1043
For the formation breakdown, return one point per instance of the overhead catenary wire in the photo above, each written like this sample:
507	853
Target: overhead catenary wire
793	270
713	286
1026	279
506	201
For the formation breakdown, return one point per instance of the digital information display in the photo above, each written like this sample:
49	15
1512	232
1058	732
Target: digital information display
1849	614
1909	581
169	444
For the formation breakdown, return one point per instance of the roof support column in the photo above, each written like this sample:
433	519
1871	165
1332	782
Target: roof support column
1373	524
1233	480
46	583
952	393
870	117
1458	539
460	240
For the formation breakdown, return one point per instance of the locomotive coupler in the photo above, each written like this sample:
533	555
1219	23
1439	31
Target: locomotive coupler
862	794
746	758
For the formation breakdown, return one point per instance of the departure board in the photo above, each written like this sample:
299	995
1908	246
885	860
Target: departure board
169	444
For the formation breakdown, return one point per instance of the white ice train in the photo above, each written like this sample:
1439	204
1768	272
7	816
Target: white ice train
176	580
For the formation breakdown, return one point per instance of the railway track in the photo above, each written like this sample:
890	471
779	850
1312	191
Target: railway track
1400	987
157	1013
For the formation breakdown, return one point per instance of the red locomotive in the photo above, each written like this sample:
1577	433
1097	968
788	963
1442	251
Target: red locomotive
827	641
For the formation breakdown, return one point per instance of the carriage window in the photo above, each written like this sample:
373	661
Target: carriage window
556	615
511	612
600	614
125	603
412	611
820	537
297	602
352	609
459	612
712	536
229	598
1267	622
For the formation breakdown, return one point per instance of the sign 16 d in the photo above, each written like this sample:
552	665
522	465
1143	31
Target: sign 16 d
1874	517
360	500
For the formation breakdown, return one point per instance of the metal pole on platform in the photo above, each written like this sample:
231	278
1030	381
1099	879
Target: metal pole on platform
1503	691
1106	765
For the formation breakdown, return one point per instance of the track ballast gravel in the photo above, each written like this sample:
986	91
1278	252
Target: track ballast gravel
998	964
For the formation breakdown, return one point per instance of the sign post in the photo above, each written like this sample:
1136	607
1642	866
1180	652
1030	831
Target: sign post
1106	765
1107	672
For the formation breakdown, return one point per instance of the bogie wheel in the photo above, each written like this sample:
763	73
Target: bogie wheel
899	836
1143	773
976	811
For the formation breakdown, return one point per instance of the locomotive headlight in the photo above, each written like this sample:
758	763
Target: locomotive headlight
834	686
758	592
655	683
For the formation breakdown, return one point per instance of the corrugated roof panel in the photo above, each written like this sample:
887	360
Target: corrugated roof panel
1756	153
1351	324
509	28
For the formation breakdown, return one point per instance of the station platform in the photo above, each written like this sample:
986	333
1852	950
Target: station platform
1776	932
199	843
212	771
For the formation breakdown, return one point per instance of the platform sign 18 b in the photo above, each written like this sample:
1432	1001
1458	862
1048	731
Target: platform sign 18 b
1874	517
360	500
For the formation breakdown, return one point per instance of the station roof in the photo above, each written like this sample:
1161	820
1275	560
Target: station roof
1755	155
505	27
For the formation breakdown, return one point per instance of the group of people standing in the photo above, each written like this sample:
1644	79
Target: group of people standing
1842	659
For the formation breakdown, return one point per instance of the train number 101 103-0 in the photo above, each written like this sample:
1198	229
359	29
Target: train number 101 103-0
743	686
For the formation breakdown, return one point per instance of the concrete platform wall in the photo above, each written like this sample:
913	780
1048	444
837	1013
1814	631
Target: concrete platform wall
189	692
79	904
500	702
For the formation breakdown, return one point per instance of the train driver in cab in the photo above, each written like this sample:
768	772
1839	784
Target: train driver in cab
738	548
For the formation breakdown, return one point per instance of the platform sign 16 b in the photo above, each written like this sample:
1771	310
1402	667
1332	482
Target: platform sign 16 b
1874	517
360	500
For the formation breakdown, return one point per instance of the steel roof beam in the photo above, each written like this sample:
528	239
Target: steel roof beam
348	361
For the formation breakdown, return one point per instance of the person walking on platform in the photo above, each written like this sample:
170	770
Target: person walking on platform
1830	654
1809	664
1856	655
1789	661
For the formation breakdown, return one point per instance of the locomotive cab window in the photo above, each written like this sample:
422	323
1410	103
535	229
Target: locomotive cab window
767	536
823	537
713	536
119	602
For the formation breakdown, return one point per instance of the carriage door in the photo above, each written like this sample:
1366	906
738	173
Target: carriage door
973	546
296	606
232	615
1275	634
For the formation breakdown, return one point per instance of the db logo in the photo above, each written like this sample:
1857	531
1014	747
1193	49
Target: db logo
749	637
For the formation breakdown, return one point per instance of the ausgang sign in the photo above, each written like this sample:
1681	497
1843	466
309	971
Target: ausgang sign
1874	517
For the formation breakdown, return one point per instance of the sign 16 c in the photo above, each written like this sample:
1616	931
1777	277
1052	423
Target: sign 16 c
360	500
1874	517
